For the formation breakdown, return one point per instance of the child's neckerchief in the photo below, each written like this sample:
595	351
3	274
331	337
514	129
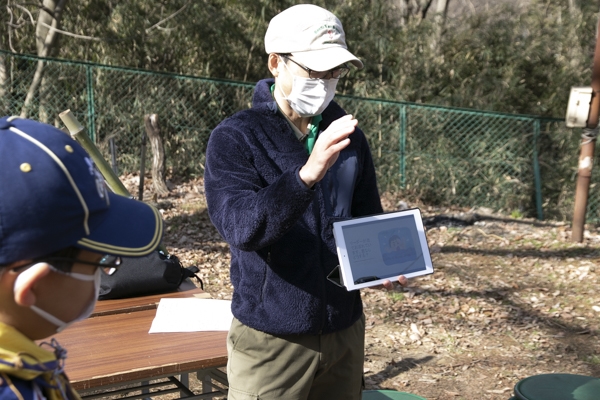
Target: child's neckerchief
22	358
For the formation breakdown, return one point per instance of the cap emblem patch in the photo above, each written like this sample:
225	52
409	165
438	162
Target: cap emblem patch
100	186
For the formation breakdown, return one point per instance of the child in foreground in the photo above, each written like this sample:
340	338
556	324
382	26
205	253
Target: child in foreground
60	229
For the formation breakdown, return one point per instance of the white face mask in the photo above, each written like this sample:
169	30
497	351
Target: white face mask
86	312
310	97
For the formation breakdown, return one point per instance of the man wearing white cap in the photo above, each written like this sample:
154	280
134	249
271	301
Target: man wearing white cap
277	176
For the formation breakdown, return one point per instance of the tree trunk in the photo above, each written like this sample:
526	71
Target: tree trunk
45	40
158	164
573	9
413	8
441	11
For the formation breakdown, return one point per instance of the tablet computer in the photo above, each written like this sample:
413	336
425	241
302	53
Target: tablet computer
379	247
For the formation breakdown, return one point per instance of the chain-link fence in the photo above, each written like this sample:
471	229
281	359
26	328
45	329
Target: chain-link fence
524	165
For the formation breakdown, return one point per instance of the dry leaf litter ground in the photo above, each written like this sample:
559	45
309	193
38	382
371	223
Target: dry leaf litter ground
509	298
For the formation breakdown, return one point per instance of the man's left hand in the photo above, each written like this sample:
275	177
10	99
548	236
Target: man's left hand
389	285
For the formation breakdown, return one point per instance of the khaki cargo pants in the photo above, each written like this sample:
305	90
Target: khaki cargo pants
295	367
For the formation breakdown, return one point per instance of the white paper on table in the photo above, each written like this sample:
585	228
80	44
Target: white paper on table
192	315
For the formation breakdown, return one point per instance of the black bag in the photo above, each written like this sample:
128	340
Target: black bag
140	276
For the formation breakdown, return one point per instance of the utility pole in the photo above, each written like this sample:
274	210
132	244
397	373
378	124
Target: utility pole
586	155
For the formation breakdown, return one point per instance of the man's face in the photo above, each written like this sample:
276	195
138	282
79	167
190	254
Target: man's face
290	68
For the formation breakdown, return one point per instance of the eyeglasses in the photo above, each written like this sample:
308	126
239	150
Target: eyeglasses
63	261
334	73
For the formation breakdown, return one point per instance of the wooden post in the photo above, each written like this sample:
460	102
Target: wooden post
158	164
586	156
77	132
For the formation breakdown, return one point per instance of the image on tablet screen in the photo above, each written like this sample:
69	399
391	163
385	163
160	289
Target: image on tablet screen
397	246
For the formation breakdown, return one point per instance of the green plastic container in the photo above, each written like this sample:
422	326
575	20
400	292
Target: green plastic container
558	387
389	394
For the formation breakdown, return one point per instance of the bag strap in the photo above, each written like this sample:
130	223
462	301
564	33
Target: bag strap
186	272
191	272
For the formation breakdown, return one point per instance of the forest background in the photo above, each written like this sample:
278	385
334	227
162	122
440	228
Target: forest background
509	56
515	56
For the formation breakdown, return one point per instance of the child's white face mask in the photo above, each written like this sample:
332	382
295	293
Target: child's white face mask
86	312
310	97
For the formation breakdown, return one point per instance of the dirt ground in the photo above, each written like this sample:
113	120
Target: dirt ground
508	298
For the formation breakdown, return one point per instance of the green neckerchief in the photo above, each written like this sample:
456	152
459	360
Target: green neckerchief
313	129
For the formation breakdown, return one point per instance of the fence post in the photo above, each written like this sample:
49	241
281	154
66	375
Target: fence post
90	97
402	140
536	169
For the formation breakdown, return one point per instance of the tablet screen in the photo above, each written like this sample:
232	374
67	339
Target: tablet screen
373	249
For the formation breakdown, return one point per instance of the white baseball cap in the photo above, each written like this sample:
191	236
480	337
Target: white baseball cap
313	35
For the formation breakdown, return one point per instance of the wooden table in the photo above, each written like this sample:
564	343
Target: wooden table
117	306
113	348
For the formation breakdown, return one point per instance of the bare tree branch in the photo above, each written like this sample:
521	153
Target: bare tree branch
160	28
20	21
28	13
69	33
471	7
168	18
414	8
424	8
15	26
10	29
45	40
47	10
10	13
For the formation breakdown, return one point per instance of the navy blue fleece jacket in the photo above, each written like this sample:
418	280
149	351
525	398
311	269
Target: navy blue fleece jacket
279	231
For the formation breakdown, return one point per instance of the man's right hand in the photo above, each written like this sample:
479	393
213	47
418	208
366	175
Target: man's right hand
327	149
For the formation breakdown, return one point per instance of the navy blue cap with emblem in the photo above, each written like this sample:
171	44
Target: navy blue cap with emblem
52	197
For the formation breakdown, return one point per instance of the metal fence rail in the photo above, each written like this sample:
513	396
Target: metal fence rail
524	165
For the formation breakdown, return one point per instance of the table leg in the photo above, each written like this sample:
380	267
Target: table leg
207	386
